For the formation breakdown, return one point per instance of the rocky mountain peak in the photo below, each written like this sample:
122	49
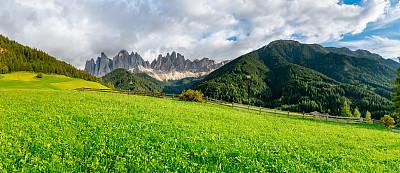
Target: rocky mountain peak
103	55
123	53
171	66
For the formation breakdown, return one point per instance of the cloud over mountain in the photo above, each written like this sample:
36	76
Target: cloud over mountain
77	30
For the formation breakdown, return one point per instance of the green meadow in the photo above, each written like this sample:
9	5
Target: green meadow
72	131
28	80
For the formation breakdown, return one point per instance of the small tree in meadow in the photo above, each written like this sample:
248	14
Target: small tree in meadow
191	95
110	85
368	115
388	120
356	113
40	75
345	111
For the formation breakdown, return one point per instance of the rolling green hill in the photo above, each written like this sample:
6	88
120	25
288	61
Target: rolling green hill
121	79
71	131
28	80
16	57
300	77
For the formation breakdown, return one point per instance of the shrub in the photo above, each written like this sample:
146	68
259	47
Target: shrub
368	115
191	95
40	75
3	68
388	120
356	113
109	85
345	111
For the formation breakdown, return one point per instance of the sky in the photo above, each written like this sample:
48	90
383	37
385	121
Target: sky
77	30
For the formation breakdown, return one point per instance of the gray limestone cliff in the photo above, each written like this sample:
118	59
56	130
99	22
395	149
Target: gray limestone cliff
171	66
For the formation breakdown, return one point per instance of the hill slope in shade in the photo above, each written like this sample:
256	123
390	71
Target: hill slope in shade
27	80
58	131
300	77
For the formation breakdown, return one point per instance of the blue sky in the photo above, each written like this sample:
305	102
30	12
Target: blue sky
377	35
78	30
351	2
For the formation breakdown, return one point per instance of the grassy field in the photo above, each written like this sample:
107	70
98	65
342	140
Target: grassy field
71	131
27	80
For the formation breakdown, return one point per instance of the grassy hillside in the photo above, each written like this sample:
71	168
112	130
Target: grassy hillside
16	57
70	131
27	80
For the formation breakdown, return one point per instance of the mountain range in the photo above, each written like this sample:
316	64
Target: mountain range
170	67
305	77
284	74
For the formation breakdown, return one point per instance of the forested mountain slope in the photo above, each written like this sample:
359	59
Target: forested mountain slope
300	77
362	72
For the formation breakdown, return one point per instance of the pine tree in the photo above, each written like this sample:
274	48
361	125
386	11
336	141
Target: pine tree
356	113
368	115
345	111
396	95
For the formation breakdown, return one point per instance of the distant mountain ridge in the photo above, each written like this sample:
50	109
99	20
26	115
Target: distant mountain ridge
172	66
365	54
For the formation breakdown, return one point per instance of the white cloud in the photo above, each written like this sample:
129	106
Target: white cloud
388	48
77	30
392	15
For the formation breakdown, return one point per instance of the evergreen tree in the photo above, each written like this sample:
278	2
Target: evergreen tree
396	95
356	113
345	111
368	115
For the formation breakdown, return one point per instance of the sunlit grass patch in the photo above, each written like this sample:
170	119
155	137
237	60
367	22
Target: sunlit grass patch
28	80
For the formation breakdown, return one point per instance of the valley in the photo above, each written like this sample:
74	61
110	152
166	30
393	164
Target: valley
46	126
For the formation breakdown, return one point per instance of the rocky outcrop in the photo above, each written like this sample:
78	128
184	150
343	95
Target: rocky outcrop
172	66
176	62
